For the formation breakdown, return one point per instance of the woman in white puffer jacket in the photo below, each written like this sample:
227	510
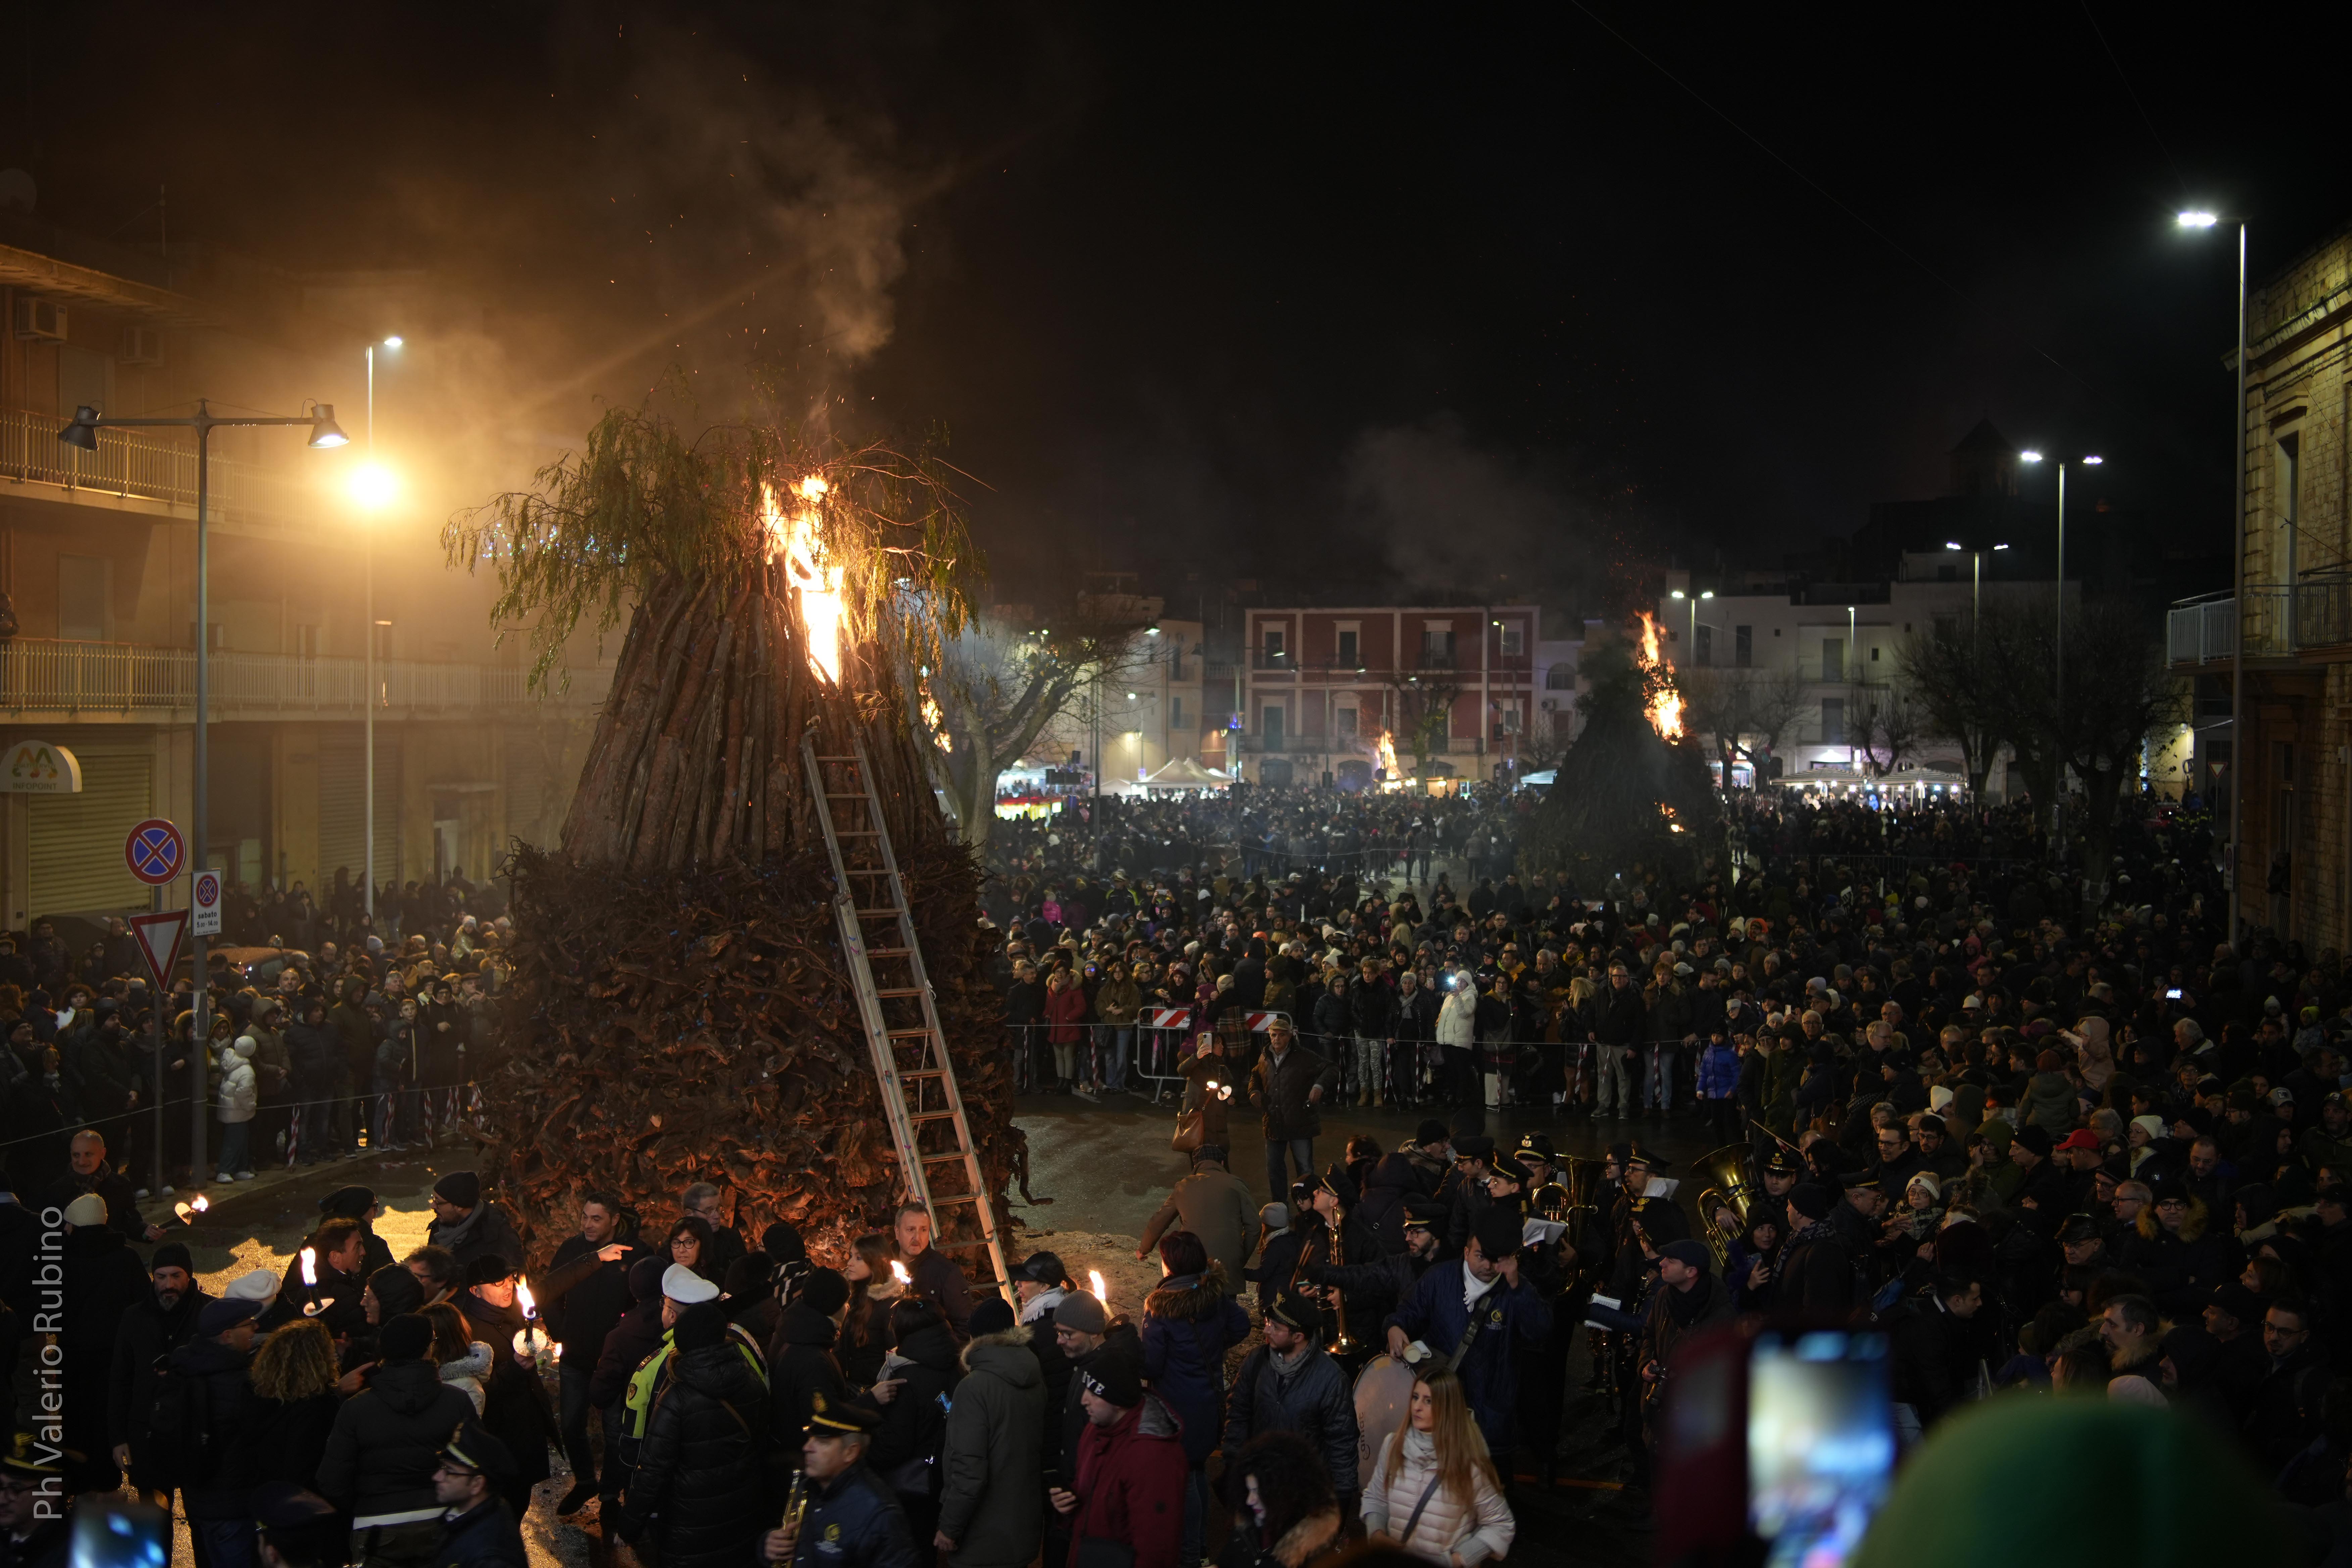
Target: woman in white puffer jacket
1433	1491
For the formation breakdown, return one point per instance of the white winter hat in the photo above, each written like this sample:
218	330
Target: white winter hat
261	1285
89	1209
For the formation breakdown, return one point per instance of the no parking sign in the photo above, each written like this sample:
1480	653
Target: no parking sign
205	904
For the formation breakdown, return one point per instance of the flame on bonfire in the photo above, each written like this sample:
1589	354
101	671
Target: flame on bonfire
1666	702
795	538
936	720
1387	753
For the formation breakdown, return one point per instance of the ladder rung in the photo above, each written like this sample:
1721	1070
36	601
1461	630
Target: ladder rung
888	951
934	1116
943	1159
922	1072
880	909
900	991
922	1032
865	870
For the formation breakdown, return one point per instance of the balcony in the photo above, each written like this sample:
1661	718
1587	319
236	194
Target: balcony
40	678
137	465
2277	621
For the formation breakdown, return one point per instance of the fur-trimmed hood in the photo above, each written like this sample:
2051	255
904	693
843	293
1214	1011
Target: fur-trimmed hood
1183	1297
1019	1336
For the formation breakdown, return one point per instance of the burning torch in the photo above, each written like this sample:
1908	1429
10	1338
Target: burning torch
314	1306
187	1211
528	1339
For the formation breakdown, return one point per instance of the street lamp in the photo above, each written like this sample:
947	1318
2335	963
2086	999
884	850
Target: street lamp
83	434
374	487
2198	220
2058	661
1976	582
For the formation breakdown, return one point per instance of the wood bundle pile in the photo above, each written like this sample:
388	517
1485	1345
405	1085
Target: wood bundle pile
674	1027
1623	797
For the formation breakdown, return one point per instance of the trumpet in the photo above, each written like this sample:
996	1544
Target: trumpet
1334	1300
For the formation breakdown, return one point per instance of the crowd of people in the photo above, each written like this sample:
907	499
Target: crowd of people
2049	1152
719	1404
313	1051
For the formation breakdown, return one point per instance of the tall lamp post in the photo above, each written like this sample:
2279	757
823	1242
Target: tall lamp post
1976	587
2238	745
2091	460
374	487
83	434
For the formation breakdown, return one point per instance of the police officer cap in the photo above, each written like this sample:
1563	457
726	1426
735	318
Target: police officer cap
1422	1214
1476	1146
1860	1182
687	1287
472	1449
1779	1163
1294	1312
283	1506
1535	1146
839	1418
1689	1254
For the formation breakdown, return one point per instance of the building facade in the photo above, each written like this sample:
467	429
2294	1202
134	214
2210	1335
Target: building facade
1451	688
2291	770
98	560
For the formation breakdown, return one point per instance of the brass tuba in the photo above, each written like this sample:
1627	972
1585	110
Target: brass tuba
1729	1182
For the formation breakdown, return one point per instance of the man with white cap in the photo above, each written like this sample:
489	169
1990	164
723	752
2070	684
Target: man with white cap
681	1288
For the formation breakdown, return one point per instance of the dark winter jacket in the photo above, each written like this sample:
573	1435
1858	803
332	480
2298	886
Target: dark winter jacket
282	1442
1310	1398
485	1536
104	1282
315	1052
1189	1323
636	1336
801	1366
202	1466
145	1334
909	1437
379	1461
1382	1209
1517	1323
485	1232
855	1521
1279	1089
990	1503
515	1409
696	1482
581	1298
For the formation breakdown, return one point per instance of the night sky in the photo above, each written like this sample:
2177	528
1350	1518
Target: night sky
1350	301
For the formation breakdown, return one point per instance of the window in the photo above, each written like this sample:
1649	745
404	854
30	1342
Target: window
1437	645
1514	639
1560	677
1344	722
1348	656
1175	713
1270	725
1274	644
83	597
1743	645
1704	653
1834	659
2290	505
1506	717
1873	654
1833	720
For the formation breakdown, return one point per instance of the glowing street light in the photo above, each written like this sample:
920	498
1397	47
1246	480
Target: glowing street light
373	486
2196	219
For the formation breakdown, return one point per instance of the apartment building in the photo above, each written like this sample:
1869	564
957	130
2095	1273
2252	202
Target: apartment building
1451	688
1833	647
98	558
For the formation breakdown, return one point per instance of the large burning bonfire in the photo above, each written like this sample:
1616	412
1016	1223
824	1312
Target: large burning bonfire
681	1011
1634	790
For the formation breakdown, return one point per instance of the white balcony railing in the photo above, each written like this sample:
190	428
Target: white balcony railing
41	676
140	465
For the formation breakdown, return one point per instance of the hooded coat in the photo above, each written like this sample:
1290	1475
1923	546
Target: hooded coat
104	1282
1189	1324
380	1460
927	1369
1382	1209
696	1482
990	1456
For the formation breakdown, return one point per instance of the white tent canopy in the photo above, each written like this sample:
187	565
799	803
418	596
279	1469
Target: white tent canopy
1183	772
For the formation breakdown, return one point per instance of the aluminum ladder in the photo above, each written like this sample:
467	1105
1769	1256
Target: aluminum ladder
911	1057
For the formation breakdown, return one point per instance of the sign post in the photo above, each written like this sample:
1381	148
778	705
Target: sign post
158	934
153	853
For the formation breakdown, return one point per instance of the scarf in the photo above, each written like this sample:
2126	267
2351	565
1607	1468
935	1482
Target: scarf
1473	1288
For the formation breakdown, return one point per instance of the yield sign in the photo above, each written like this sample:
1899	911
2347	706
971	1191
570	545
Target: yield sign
158	940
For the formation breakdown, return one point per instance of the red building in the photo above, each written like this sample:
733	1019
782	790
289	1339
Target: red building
1450	685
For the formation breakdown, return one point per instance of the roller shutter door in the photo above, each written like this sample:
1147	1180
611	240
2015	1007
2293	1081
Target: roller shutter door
342	811
75	857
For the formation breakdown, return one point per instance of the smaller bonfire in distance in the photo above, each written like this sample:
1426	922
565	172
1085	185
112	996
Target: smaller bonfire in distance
1635	789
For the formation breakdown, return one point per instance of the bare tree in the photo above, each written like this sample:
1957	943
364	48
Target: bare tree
1746	711
1424	709
997	688
1885	726
1946	673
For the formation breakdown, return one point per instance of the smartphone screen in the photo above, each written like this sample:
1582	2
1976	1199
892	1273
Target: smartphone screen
1820	1444
110	1532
